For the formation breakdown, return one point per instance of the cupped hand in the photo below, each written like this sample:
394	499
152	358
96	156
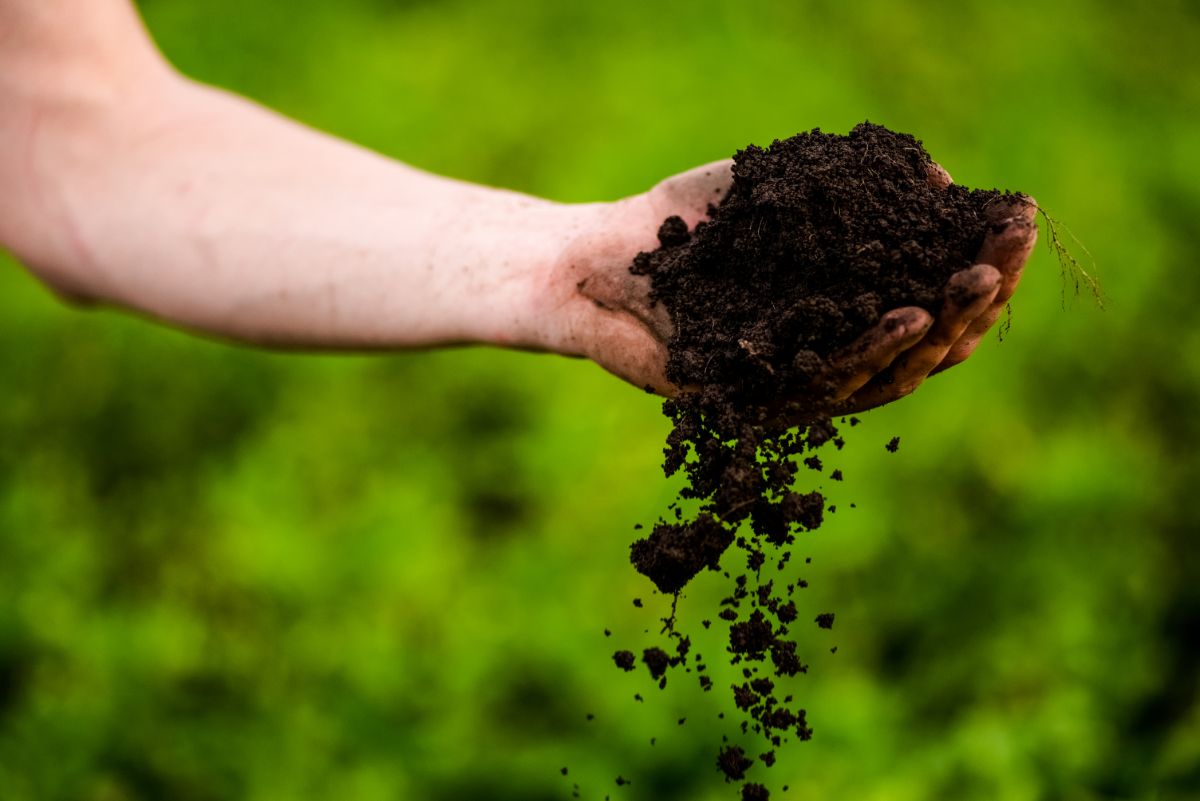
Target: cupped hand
607	314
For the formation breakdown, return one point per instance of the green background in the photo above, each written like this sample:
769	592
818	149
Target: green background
230	574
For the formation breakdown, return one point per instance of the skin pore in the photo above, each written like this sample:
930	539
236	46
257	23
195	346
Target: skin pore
124	183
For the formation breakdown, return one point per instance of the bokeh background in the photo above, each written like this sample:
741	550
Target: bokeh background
229	574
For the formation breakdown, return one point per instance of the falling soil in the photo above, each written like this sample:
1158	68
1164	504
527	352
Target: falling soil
819	236
733	762
754	792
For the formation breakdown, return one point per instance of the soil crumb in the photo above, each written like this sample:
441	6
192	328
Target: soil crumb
755	792
733	762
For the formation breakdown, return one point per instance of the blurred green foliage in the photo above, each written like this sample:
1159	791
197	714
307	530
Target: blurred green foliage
228	574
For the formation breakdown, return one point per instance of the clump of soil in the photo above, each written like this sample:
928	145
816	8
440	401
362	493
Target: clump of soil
733	762
819	236
754	792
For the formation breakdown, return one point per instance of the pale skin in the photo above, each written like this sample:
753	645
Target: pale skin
124	183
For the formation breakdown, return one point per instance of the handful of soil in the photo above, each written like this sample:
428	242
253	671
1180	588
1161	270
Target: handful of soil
818	237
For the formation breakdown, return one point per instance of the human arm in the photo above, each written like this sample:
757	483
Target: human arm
122	182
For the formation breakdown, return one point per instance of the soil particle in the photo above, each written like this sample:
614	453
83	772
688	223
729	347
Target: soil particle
783	656
753	637
825	620
893	445
733	762
625	660
755	792
674	553
657	660
778	719
673	231
802	729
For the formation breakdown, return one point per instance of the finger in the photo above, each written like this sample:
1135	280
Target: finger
1011	236
1007	246
970	339
938	176
969	293
871	353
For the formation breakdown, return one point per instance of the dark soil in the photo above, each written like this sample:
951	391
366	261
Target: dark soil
733	762
819	236
755	792
657	661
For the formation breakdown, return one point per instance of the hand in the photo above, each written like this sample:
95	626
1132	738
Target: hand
606	314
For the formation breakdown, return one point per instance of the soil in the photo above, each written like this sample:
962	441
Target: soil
818	237
733	762
754	792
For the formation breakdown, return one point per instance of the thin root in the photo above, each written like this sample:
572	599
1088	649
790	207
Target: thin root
1070	266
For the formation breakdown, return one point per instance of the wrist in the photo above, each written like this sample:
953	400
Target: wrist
557	243
589	282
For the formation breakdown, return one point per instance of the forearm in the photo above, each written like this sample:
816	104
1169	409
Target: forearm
205	210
